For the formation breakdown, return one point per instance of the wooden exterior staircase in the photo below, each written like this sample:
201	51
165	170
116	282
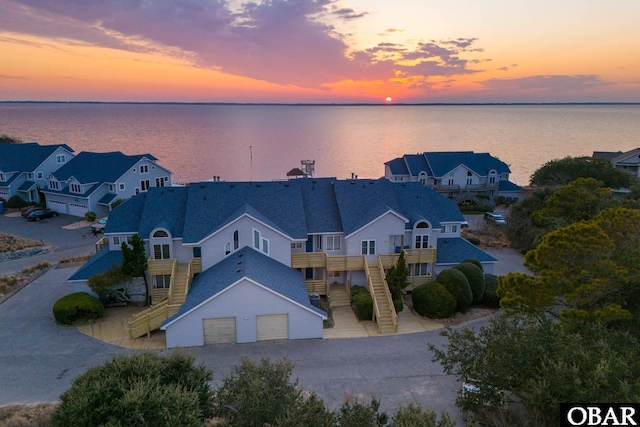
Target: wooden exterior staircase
339	296
151	319
383	310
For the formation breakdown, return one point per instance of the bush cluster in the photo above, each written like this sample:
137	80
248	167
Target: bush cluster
363	305
90	216
432	300
161	391
458	286
491	298
16	202
79	305
140	390
475	277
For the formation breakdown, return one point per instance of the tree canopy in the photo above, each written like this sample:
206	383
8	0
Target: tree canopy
6	139
563	171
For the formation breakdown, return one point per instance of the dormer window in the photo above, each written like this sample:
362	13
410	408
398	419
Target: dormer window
1	177
111	188
144	168
76	188
29	176
54	185
61	158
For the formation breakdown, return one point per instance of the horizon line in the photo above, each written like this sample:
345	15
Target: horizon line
346	104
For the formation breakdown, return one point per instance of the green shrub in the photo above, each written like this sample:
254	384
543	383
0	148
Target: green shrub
260	394
141	390
356	414
16	202
475	262
458	286
491	298
356	290
398	304
413	415
79	305
90	216
474	241
475	277
363	305
432	300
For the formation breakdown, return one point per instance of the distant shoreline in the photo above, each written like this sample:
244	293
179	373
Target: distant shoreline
431	104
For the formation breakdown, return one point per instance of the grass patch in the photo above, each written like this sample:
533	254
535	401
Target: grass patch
23	415
73	260
9	243
490	236
12	282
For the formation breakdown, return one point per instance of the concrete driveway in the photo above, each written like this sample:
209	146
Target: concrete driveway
39	358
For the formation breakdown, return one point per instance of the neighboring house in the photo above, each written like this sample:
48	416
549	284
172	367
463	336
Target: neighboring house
91	182
460	175
262	247
628	161
24	167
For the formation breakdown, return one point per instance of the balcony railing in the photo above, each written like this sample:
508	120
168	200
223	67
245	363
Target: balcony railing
356	262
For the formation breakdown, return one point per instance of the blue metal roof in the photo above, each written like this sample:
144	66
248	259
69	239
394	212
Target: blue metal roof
455	250
89	167
398	166
508	186
26	157
99	263
211	205
163	207
126	217
441	163
253	265
417	163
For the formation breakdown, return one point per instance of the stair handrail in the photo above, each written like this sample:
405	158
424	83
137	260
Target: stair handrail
387	294
189	278
174	270
376	310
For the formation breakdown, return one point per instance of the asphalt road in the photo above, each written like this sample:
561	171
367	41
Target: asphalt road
39	358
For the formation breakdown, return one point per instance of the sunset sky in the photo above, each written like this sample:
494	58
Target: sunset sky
320	51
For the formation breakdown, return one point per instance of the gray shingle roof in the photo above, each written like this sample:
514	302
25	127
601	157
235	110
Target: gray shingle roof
251	264
26	157
163	207
89	167
125	218
456	249
398	166
444	162
508	186
99	263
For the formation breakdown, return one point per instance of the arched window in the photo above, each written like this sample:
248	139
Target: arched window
423	225
421	240
160	233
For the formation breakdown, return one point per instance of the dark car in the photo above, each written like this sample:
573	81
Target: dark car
42	213
26	212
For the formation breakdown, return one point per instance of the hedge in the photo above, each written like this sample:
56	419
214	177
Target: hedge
475	262
458	286
432	300
475	277
90	216
491	298
16	202
363	305
78	305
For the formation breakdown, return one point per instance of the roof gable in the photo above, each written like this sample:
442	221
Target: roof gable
26	157
88	167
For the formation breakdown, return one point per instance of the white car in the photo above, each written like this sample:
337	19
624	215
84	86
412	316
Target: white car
98	227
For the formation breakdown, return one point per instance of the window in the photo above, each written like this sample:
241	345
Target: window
227	248
144	168
160	233
121	186
1	177
236	240
161	251
421	269
54	185
296	245
265	246
422	241
160	182
469	181
318	243
116	241
61	158
256	239
144	185
469	173
76	188
111	188
197	252
29	176
333	243
451	181
492	180
136	190
162	281
454	228
40	175
368	247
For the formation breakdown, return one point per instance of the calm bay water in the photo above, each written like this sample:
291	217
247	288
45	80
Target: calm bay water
260	142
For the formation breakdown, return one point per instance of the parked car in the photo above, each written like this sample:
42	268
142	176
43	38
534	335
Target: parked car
40	214
27	211
464	224
98	227
495	219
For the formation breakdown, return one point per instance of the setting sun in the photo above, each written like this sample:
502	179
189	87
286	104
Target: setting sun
388	99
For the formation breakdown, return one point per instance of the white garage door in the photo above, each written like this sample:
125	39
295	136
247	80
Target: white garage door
217	331
4	195
78	209
57	205
273	327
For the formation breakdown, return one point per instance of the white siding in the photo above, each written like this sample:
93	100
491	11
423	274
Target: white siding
380	231
244	301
